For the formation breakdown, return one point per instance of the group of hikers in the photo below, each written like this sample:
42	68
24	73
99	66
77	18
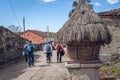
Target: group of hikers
29	48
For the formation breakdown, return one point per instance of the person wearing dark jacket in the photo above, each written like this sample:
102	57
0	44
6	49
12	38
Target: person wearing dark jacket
60	51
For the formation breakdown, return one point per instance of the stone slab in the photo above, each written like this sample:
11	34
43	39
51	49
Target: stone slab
78	71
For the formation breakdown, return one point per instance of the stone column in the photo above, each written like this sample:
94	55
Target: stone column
83	71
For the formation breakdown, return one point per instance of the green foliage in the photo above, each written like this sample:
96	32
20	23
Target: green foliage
71	12
88	1
75	3
90	5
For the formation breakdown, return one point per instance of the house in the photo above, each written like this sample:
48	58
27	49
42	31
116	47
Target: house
112	19
35	36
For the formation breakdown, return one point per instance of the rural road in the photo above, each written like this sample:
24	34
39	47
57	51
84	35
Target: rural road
41	70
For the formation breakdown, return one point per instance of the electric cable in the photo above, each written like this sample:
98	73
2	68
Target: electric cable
29	10
13	11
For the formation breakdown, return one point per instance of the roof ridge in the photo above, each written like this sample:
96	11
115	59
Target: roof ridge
40	33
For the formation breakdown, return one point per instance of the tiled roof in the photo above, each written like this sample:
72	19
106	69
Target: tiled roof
40	33
115	12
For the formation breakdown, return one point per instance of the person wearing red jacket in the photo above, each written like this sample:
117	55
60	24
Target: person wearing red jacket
60	51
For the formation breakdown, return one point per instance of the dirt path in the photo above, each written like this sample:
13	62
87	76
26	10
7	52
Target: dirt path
41	71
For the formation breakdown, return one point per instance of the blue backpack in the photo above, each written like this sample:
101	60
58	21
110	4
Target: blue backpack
48	48
30	48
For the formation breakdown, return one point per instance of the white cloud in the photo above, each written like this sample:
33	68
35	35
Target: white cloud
112	1
47	1
97	4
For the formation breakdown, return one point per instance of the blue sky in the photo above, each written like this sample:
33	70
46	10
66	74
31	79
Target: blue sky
42	13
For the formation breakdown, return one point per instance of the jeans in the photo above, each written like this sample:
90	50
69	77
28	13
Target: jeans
30	59
26	56
48	56
59	56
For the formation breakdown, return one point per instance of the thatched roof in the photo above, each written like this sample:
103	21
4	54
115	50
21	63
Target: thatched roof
84	25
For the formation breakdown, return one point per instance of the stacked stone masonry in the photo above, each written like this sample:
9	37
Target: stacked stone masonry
11	46
112	19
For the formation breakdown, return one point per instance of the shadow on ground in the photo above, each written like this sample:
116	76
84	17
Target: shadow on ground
14	70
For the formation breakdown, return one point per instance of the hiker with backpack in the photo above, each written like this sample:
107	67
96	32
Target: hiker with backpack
60	51
48	51
30	50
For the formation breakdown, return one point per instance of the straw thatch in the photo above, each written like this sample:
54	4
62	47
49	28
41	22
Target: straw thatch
84	26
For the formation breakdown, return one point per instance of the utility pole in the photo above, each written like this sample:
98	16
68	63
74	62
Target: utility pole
48	35
24	26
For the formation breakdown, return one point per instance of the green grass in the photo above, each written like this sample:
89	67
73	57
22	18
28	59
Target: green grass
111	69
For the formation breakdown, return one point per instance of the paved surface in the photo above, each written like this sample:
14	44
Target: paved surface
41	70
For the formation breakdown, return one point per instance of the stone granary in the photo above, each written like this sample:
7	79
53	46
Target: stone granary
11	46
84	33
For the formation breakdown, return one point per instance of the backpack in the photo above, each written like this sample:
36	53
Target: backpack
59	48
48	48
29	47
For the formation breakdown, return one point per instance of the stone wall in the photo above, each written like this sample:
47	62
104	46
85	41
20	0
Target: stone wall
11	46
114	46
113	23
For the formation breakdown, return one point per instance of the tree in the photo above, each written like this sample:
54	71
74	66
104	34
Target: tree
14	28
88	2
75	3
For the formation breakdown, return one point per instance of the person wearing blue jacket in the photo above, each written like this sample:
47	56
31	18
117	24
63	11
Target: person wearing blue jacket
30	50
48	51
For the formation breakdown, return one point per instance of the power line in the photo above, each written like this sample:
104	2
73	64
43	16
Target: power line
13	11
31	5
